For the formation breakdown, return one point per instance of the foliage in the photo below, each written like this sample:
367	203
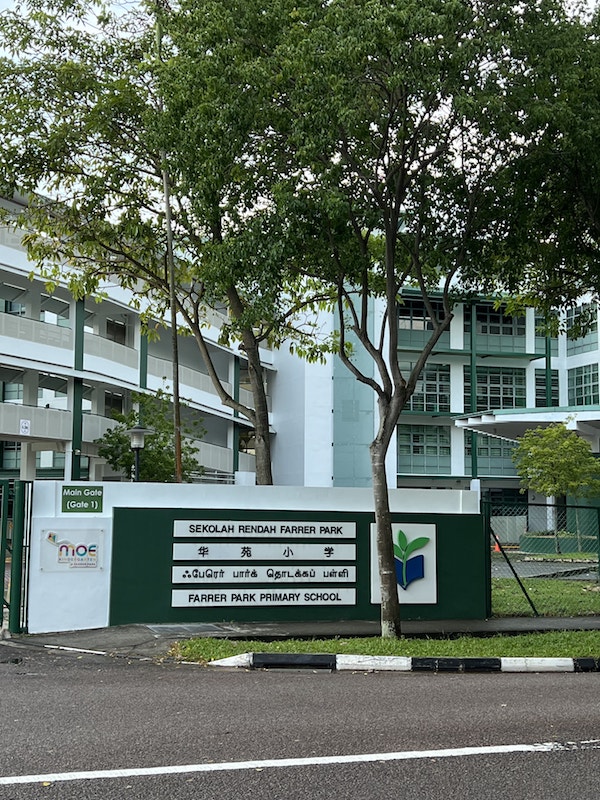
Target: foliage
396	128
157	459
555	461
120	127
554	188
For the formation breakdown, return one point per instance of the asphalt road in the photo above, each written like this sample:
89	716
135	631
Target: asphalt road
64	713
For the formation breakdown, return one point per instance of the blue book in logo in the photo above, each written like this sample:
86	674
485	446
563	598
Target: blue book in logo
415	570
409	569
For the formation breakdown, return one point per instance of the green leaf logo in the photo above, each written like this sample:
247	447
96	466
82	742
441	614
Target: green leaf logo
403	549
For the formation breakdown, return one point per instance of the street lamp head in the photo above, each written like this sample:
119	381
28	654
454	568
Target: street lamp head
137	434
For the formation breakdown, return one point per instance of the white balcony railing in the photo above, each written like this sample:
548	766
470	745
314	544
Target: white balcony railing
31	330
29	422
161	368
111	351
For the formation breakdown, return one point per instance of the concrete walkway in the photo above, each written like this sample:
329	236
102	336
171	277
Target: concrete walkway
155	641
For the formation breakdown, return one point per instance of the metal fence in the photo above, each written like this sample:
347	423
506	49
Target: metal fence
544	559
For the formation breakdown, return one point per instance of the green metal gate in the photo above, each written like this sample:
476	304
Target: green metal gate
15	531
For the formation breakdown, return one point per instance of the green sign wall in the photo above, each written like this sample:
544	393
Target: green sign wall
190	565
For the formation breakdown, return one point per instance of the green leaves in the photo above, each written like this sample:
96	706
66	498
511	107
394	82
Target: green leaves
157	459
555	461
404	549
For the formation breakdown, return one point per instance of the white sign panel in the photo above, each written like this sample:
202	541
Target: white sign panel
71	549
244	574
281	551
301	529
415	561
194	598
25	427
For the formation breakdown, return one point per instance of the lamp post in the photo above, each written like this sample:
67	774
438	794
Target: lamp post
137	434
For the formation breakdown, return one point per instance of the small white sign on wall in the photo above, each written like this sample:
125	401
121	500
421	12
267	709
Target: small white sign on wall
415	561
63	550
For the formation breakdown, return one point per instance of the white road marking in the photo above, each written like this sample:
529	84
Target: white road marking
454	752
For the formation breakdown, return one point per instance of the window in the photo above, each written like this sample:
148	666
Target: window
540	388
116	331
424	449
16	309
491	321
113	403
54	311
494	455
12	392
497	387
432	393
413	316
11	455
582	324
583	385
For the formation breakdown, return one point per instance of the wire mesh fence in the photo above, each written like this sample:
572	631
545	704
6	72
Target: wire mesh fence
544	559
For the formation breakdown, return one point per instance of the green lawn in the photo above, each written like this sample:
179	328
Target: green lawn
551	598
555	644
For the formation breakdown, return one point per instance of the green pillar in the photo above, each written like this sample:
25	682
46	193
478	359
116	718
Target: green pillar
548	376
4	490
77	411
473	373
16	566
143	361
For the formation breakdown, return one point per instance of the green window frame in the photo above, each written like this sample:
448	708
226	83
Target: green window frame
540	388
432	393
497	388
423	449
584	389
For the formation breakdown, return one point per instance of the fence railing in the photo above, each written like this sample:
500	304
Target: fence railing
544	559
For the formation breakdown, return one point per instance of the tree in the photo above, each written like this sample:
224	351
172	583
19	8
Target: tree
397	126
555	462
554	188
96	131
157	459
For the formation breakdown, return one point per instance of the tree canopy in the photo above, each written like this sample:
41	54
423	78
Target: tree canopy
398	127
556	462
157	459
106	113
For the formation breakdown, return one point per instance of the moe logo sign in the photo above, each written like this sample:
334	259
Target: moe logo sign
71	550
415	562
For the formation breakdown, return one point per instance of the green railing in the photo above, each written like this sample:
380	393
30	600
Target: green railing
15	504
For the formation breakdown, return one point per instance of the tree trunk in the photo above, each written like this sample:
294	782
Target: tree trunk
260	417
390	605
264	474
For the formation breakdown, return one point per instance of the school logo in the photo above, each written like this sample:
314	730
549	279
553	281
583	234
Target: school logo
409	568
74	554
415	562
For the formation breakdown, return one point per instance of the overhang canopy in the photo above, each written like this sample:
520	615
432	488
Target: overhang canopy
512	423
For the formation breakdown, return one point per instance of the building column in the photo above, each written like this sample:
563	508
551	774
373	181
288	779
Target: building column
75	398
30	400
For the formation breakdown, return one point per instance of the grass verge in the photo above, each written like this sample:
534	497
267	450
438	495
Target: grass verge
555	644
552	597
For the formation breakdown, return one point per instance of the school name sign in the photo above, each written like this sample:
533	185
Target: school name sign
311	530
221	563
